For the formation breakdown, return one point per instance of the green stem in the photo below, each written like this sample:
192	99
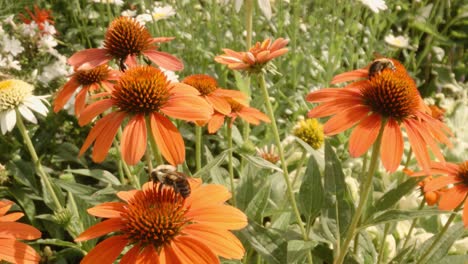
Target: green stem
382	244
413	224
249	7
37	164
198	147
230	167
148	160
299	167
441	233
131	177
284	166
364	194
154	146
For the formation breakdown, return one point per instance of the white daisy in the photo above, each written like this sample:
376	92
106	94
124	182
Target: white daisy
143	18
162	12
398	41
115	2
375	5
17	95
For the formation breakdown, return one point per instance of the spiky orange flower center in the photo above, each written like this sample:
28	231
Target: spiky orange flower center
125	36
141	90
463	172
205	84
235	106
94	75
154	217
391	94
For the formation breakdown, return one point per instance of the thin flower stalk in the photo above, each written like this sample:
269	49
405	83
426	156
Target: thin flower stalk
230	165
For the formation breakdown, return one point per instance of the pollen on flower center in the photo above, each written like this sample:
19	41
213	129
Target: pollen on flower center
154	217
141	90
235	106
125	36
463	172
205	84
391	94
310	131
13	92
94	75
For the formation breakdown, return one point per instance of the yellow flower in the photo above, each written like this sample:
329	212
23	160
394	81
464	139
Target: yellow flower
310	131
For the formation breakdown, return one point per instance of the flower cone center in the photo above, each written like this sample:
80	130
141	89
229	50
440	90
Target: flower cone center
141	90
311	132
13	93
463	172
155	217
125	36
205	84
392	94
95	75
235	106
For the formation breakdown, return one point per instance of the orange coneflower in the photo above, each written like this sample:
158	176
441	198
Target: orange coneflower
256	58
125	40
144	91
160	226
89	80
217	97
12	250
382	92
39	16
249	114
453	187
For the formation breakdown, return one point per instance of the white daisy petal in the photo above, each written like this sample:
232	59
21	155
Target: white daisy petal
27	114
10	120
3	122
35	104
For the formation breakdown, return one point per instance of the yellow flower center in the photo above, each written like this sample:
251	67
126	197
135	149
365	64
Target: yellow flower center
463	172
154	217
310	131
13	92
205	84
392	93
141	90
94	75
125	36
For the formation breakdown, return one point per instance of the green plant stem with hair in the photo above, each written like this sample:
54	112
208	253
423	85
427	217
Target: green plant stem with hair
422	259
364	194
284	166
382	244
131	177
230	167
39	169
413	224
154	146
198	147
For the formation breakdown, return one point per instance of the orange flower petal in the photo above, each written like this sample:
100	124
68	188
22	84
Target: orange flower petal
127	195
100	229
440	182
429	139
161	39
106	136
134	140
94	110
238	96
350	76
418	145
18	231
168	256
168	139
189	250
331	94
364	135
452	198
219	104
5	205
344	120
108	210
187	107
148	255
333	107
89	57
208	195
165	60
235	54
221	216
65	93
465	214
222	242
107	251
215	123
11	217
391	149
17	252
183	89
131	256
80	101
252	115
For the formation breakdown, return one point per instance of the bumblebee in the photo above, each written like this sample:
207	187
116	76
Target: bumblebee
167	175
379	65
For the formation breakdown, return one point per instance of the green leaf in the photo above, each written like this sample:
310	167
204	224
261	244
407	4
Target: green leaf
55	242
47	196
298	249
443	245
399	215
393	196
258	204
100	175
311	190
318	157
261	163
269	243
454	259
211	164
24	200
429	29
339	201
75	188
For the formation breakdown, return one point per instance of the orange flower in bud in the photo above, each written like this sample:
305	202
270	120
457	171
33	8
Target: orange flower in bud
249	114
89	80
12	250
383	92
160	226
125	40
256	58
39	16
143	93
431	198
452	187
217	97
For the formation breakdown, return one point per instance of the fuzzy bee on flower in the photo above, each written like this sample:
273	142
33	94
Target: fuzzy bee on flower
167	175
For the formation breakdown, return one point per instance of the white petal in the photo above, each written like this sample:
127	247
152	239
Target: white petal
265	7
27	114
35	104
3	122
8	121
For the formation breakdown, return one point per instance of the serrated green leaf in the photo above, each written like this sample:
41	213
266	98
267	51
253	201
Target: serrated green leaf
311	190
337	198
100	175
261	163
298	249
258	204
269	243
399	215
